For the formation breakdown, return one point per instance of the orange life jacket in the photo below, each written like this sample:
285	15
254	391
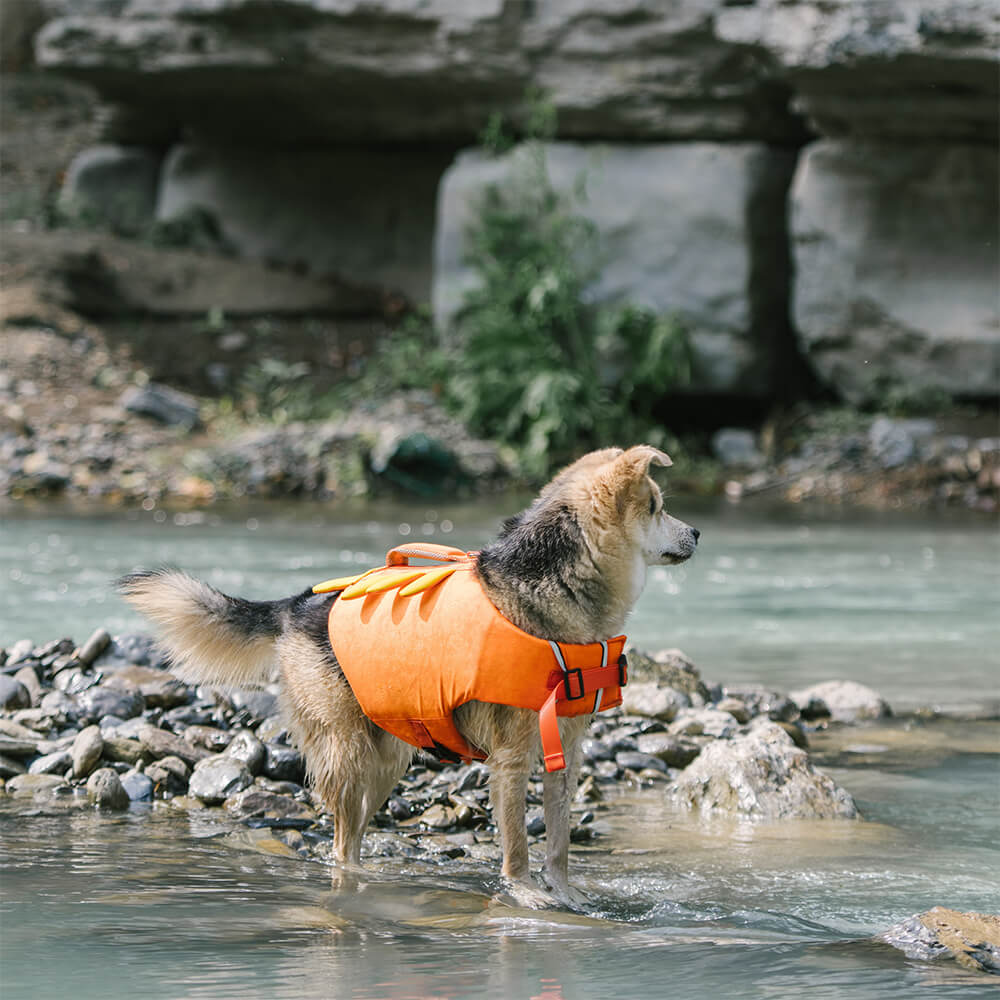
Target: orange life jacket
416	642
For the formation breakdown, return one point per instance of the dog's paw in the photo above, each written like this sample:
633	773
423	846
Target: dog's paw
524	892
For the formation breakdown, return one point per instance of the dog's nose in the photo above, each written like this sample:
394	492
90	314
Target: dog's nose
696	533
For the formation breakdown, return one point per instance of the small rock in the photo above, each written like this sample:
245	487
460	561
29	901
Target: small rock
133	648
169	776
971	939
653	700
215	779
847	701
20	651
737	446
704	721
51	763
439	817
86	752
15	746
166	405
10	767
248	750
736	708
138	787
761	774
93	647
123	750
104	787
636	761
208	738
59	703
163	744
28	677
259	704
595	750
13	694
284	763
28	785
121	699
669	749
254	802
535	823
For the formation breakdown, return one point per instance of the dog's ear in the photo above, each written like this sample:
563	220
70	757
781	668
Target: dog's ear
624	478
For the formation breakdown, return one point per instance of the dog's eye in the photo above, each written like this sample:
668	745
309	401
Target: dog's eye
652	506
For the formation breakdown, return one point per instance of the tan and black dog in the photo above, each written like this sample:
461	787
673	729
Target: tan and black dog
568	569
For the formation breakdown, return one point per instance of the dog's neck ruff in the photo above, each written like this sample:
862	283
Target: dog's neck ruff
416	642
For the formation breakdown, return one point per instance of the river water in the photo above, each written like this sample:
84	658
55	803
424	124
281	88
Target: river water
160	903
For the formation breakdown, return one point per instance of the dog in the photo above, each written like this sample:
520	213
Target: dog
569	568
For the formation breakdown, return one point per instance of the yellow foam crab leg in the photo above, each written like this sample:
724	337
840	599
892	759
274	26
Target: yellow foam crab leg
340	583
427	579
388	580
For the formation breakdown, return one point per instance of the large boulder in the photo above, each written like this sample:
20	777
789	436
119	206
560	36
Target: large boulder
693	229
312	72
891	69
896	263
763	775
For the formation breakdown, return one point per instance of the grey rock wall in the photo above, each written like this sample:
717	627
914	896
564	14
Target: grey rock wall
695	229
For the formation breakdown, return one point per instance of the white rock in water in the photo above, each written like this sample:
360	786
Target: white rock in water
848	701
653	700
761	774
86	751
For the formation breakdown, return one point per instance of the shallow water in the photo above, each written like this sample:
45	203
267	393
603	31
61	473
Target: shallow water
160	903
786	598
163	904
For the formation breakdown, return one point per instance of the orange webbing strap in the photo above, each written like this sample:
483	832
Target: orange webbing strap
402	554
580	683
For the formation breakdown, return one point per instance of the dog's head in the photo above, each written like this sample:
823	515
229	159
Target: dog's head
625	506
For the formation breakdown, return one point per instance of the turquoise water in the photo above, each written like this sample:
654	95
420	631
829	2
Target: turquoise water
785	598
161	903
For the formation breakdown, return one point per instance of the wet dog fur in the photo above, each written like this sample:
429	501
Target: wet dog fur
568	568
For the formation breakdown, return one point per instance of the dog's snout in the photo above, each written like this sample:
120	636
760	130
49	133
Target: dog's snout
697	534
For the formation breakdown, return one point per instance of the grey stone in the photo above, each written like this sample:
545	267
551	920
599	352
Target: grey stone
132	648
98	642
162	403
208	737
138	787
113	184
896	260
760	700
104	787
10	767
704	722
847	701
653	700
169	776
894	442
248	750
254	802
737	446
13	694
56	762
29	785
29	678
736	707
18	746
417	72
669	749
158	688
635	760
284	764
971	939
260	704
217	778
123	750
20	651
693	229
163	744
763	775
110	698
59	704
86	752
899	70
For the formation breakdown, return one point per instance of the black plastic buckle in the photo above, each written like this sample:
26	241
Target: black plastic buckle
622	670
567	674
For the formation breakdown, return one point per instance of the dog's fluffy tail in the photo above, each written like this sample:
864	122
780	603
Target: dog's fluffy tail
211	638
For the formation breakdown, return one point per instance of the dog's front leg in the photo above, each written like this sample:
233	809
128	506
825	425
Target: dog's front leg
558	790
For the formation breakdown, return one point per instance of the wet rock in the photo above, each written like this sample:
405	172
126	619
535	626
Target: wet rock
125	751
160	743
215	779
163	404
15	746
673	752
256	803
634	760
737	708
259	704
10	767
653	700
273	730
846	701
971	939
138	787
704	722
29	785
535	822
399	808
57	762
98	642
29	678
208	737
284	763
762	701
13	694
248	750
105	789
760	774
60	704
671	668
796	732
595	750
21	650
439	817
136	648
169	776
111	698
158	688
86	752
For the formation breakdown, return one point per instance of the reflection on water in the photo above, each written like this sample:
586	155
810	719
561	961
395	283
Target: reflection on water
905	605
161	903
